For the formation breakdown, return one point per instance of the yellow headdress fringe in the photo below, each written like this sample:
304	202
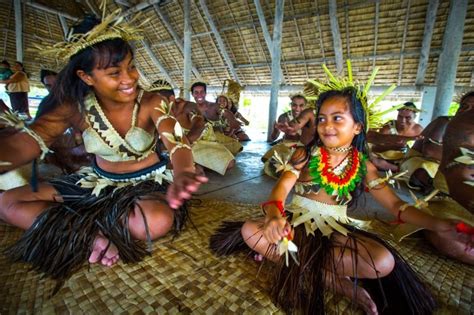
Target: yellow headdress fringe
112	26
159	85
233	91
373	116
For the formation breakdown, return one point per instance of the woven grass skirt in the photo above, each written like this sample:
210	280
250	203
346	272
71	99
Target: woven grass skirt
61	238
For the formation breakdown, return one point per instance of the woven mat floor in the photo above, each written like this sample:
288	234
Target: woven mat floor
182	276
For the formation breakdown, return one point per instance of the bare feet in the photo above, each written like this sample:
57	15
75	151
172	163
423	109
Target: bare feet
345	286
103	252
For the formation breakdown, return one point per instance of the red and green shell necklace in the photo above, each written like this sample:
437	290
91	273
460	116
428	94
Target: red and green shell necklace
342	184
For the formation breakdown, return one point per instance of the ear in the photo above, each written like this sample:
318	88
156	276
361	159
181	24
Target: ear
358	128
85	77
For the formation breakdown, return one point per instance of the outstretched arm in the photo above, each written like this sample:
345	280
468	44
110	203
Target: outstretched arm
185	180
297	124
409	214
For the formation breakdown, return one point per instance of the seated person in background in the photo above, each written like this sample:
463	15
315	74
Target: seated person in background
48	78
5	72
457	170
281	152
207	152
219	120
226	105
389	144
423	158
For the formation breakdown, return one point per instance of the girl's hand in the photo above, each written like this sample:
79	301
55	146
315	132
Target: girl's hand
184	184
447	229
276	228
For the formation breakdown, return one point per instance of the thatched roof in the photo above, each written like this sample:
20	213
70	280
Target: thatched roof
387	34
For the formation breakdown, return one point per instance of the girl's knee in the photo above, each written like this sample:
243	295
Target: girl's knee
248	230
159	221
384	261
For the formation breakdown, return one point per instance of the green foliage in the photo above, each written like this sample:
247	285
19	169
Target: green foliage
247	102
453	108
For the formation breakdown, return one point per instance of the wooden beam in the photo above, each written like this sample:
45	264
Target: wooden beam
336	36
263	25
64	26
265	32
376	31
276	67
367	58
402	49
158	63
50	10
91	7
177	40
187	50
346	17
318	26
18	30
299	39
140	7
244	45
220	42
426	44
449	58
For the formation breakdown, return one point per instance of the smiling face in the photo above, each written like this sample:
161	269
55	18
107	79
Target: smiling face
297	106
199	94
116	83
223	103
336	126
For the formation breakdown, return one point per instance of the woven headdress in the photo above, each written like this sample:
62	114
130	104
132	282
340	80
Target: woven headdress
373	116
160	85
112	26
233	91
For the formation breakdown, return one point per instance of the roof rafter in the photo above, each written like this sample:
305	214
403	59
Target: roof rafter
179	42
299	39
187	50
266	33
219	40
402	49
318	26
426	43
336	36
376	31
50	10
346	17
64	26
244	45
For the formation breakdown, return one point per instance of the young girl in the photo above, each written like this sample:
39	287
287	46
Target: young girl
126	198
329	176
234	119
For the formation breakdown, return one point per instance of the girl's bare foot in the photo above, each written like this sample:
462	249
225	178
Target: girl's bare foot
345	286
102	252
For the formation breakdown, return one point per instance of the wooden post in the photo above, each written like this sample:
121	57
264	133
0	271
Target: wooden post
426	44
187	49
276	67
336	36
19	31
449	57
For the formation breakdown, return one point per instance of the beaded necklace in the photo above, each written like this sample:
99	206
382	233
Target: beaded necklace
340	185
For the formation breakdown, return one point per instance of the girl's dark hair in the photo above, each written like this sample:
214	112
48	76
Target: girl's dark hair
359	141
69	88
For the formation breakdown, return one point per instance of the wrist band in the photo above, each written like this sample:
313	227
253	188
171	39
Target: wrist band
277	203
